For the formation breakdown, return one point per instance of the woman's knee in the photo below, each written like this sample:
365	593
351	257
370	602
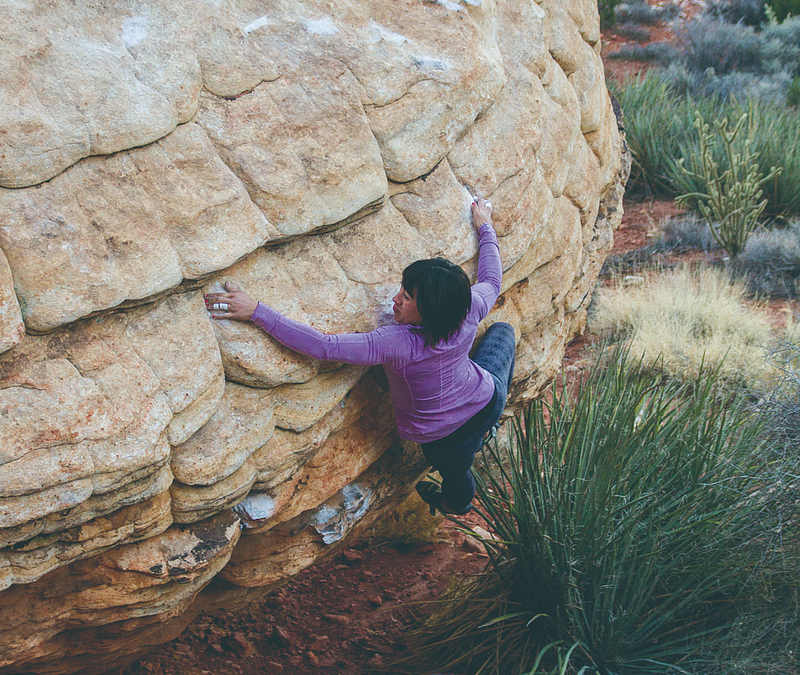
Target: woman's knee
495	353
499	337
500	328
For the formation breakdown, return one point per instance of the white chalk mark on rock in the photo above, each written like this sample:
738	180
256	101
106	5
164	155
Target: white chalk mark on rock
255	25
323	26
383	33
134	31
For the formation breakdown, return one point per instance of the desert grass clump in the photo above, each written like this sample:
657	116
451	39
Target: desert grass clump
793	93
643	14
787	34
725	48
632	31
657	122
686	232
660	53
770	262
618	265
676	234
775	134
683	322
781	405
771	89
634	528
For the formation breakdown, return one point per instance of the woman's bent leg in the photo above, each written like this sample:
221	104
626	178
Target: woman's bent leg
496	353
453	462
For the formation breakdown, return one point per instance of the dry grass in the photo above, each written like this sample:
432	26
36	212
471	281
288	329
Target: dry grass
684	321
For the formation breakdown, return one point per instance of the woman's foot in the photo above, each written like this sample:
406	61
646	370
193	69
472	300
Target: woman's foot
432	495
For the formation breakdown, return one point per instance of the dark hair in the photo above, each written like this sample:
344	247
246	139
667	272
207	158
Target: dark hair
443	296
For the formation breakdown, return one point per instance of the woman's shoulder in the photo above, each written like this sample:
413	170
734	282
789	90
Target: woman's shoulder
400	340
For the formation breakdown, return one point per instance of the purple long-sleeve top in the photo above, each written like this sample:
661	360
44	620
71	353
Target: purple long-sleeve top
434	389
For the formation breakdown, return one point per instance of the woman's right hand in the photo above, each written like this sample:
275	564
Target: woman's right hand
233	304
481	212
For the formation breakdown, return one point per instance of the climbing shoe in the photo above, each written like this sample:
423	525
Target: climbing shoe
432	495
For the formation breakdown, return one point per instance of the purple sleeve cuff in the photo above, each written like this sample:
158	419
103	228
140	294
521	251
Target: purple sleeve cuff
263	315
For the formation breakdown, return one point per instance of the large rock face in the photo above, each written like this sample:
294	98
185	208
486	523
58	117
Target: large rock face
307	150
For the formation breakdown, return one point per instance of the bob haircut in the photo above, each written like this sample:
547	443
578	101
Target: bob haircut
442	292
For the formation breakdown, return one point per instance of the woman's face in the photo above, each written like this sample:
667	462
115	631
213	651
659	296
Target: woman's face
405	308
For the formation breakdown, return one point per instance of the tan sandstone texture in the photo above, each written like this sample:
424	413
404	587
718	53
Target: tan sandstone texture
306	150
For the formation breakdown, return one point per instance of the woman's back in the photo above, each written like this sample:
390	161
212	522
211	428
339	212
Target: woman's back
436	388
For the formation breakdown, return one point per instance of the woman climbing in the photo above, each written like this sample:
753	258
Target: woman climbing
442	399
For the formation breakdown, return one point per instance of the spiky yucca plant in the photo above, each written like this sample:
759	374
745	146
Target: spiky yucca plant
633	521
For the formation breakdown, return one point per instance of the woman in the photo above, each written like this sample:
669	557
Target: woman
442	399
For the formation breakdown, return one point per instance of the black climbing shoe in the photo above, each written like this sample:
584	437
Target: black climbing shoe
432	495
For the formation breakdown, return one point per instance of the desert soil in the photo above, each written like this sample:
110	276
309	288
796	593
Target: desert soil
342	617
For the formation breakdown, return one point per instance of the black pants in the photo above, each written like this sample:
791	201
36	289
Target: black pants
452	456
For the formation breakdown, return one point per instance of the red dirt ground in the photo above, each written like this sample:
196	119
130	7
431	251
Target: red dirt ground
345	616
341	617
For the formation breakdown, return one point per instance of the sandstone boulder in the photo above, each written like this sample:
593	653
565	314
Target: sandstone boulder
155	151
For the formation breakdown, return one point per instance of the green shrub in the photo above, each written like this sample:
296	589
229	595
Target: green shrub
774	133
659	125
708	85
784	8
788	35
633	532
793	93
725	48
606	9
656	122
713	56
729	199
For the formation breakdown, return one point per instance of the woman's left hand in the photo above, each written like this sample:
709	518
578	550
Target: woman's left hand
481	212
233	304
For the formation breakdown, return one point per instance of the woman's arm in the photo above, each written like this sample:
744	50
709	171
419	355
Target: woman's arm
490	267
378	346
